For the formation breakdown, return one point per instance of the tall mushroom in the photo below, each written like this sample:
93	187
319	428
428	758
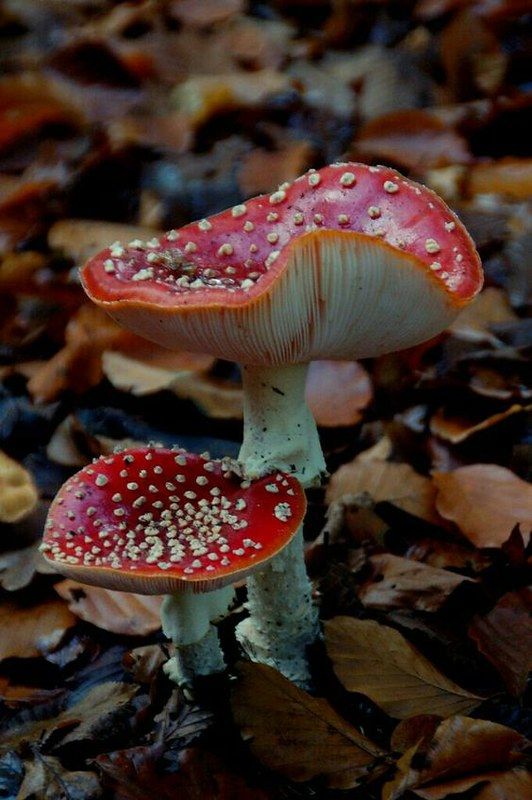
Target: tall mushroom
347	262
158	521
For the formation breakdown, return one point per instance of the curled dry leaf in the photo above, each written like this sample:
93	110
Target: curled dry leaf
461	753
379	662
295	734
18	493
383	481
30	631
79	239
18	568
457	429
118	612
412	139
504	636
490	307
486	501
401	583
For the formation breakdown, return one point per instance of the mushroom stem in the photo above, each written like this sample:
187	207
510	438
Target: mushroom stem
280	433
186	620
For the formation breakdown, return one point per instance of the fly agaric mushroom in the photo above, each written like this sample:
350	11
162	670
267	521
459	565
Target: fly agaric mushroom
348	262
159	521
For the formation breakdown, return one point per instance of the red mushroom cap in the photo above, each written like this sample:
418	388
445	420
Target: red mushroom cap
348	261
157	521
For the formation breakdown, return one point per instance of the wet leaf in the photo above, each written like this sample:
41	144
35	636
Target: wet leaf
485	501
401	583
29	631
296	734
504	636
118	612
379	662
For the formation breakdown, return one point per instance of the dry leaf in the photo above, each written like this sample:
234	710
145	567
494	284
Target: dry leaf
296	734
337	391
395	483
512	785
379	662
14	695
30	631
486	502
401	583
457	429
118	612
46	779
18	568
263	171
18	494
511	177
490	307
461	753
145	663
504	636
79	239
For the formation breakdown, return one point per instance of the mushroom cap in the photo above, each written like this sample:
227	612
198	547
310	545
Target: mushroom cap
159	521
347	262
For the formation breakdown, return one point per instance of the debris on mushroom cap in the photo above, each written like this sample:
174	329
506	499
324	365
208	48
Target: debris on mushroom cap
370	218
154	521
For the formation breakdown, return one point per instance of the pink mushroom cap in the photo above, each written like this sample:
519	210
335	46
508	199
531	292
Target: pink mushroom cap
159	521
346	262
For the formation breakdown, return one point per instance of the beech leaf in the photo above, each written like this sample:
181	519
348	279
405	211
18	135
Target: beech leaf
486	501
28	632
45	778
119	612
18	494
379	662
296	734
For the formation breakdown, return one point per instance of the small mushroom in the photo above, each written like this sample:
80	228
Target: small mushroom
347	262
159	521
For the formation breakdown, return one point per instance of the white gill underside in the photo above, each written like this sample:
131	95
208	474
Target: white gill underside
337	298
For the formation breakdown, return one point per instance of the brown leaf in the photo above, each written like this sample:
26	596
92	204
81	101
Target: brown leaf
379	662
457	757
14	695
401	583
411	139
28	632
456	429
511	177
145	663
296	734
396	483
265	170
79	239
504	636
18	568
46	778
490	307
118	612
512	785
18	494
337	392
485	501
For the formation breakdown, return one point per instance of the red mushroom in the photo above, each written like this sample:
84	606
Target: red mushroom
348	262
155	521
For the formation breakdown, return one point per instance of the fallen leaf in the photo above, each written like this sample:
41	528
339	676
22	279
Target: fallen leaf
295	734
118	612
384	481
401	583
146	662
263	171
30	631
490	307
18	493
486	501
457	429
18	568
337	392
411	139
504	637
379	662
79	239
46	778
461	753
511	177
14	695
512	785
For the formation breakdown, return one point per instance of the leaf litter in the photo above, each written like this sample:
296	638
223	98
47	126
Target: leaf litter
123	119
